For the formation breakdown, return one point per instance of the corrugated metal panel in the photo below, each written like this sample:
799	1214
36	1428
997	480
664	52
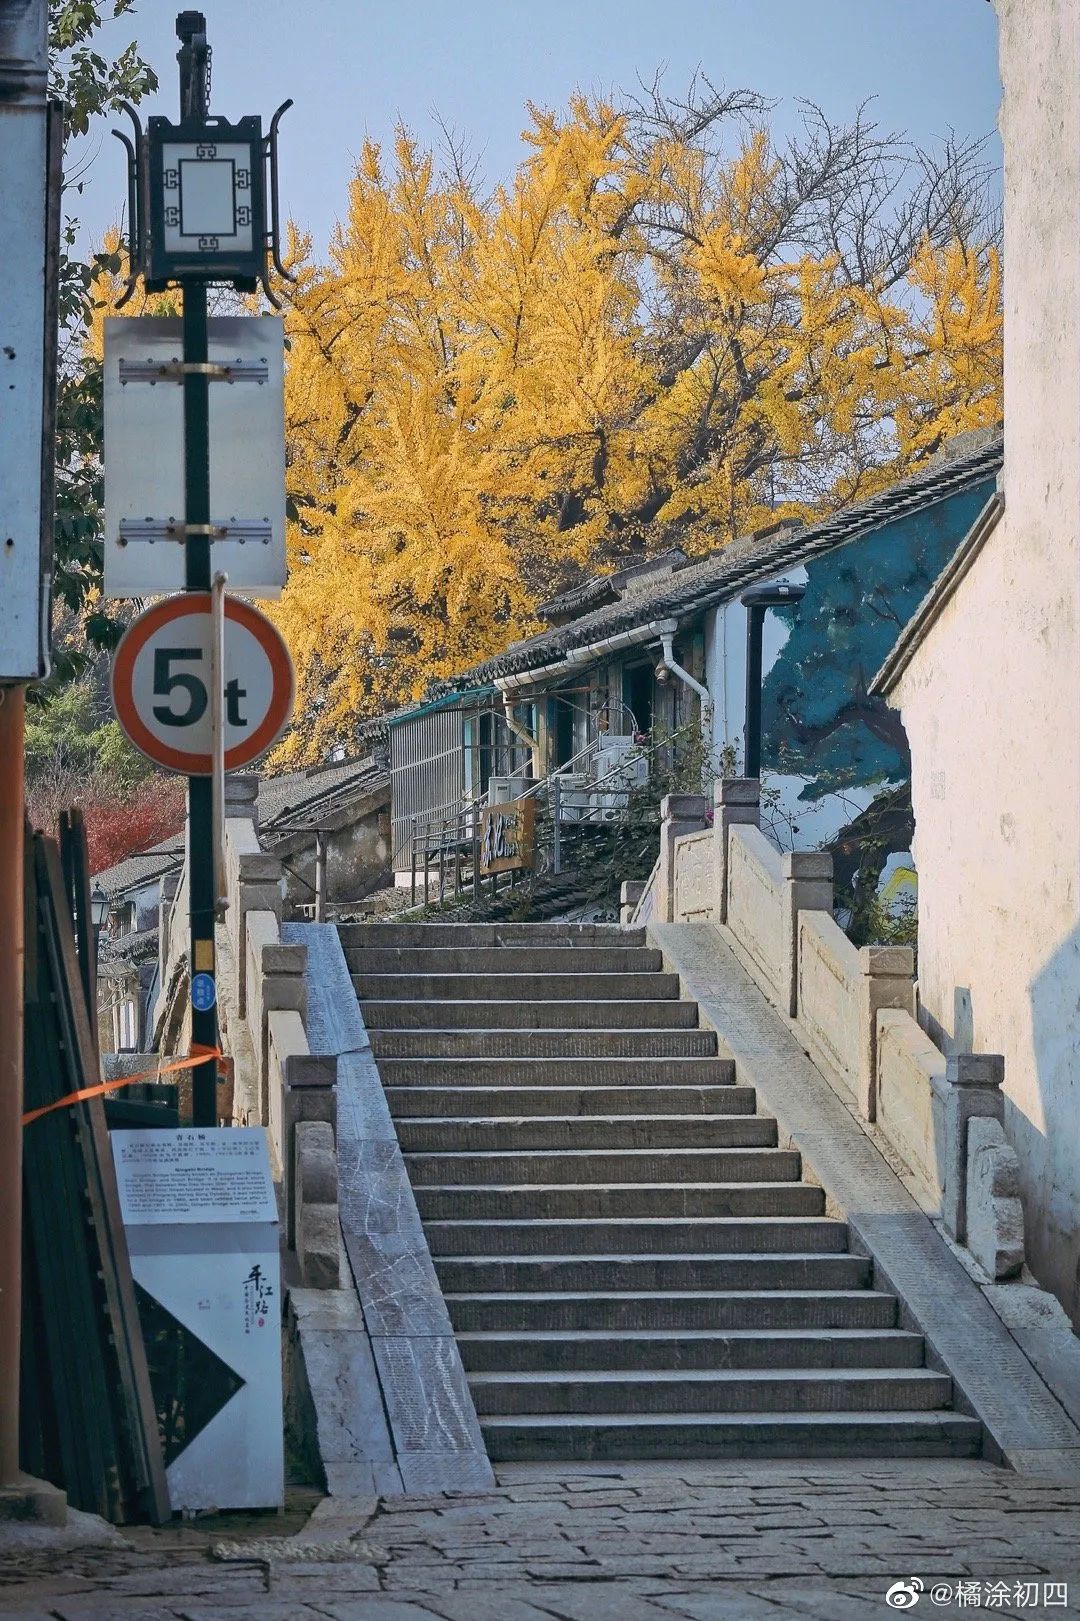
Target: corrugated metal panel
427	780
447	701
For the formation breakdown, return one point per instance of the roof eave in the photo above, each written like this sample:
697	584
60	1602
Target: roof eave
937	598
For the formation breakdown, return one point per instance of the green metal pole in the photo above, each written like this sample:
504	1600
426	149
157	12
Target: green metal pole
201	897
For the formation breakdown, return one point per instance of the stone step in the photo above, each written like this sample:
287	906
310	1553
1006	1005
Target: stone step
511	1135
407	1013
527	960
712	1390
688	1435
355	935
585	1166
688	1199
471	1274
556	1072
628	1235
632	987
543	1043
631	1263
488	1102
600	1350
635	1311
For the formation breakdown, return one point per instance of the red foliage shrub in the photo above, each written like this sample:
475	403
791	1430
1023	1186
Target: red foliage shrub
116	826
150	813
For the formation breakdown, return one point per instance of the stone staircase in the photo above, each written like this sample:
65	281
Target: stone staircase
633	1267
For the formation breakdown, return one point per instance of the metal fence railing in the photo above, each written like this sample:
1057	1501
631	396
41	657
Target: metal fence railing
445	846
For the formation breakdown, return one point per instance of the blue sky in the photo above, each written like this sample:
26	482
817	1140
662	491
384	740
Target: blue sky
356	67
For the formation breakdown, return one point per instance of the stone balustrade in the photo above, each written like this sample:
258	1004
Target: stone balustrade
693	877
841	988
852	1008
755	906
680	814
911	1103
295	1090
630	894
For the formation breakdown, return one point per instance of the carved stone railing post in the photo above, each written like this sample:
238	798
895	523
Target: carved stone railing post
309	1081
257	888
630	893
736	800
679	814
972	1092
887	981
317	1222
279	973
241	797
808	887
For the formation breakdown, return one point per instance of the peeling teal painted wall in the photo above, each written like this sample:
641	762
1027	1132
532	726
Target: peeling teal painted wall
817	718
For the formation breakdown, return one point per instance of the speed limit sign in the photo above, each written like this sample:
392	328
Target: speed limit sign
161	683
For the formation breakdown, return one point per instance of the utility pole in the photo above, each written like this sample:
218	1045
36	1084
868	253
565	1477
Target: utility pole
194	60
31	149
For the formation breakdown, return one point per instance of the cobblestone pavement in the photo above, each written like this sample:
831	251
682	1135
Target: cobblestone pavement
588	1544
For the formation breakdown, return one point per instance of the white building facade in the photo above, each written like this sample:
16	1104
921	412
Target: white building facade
987	679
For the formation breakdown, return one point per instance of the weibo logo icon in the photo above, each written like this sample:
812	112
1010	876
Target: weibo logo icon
904	1595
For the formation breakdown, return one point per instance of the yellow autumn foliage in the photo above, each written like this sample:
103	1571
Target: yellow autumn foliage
635	342
643	338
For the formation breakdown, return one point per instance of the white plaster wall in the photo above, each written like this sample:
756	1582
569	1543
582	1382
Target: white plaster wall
991	700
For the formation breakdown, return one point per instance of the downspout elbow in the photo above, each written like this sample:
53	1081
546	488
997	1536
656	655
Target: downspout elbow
667	642
515	725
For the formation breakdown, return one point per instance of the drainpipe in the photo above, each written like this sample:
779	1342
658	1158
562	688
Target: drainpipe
621	639
515	725
506	684
656	629
667	642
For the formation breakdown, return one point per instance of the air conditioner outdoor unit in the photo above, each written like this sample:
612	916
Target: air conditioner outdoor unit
573	796
501	790
619	765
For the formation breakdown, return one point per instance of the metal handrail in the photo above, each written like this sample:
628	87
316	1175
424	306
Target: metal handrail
459	829
617	770
444	836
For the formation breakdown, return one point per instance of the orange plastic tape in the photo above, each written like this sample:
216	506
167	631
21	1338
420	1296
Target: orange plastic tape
199	1055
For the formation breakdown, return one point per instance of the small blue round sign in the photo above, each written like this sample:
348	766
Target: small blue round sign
203	992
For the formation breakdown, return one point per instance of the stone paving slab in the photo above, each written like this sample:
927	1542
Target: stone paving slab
822	1540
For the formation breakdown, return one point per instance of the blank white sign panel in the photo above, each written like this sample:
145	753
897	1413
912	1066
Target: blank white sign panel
144	454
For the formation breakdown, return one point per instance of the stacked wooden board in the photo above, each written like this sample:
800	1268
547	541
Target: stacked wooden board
88	1415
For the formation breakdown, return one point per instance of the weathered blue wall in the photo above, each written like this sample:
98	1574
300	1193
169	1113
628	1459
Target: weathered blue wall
817	718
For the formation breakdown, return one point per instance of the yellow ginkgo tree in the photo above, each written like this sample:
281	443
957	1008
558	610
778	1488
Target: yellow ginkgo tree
664	328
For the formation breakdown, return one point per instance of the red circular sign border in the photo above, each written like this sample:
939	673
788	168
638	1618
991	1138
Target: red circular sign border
134	640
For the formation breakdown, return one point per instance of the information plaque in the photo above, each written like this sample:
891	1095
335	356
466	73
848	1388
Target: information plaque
202	1228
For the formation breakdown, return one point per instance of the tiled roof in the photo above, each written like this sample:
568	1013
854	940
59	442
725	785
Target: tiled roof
284	801
144	868
296	795
605	588
968	460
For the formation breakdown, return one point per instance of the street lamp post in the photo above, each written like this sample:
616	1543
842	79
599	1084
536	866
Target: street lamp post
198	201
757	601
99	911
